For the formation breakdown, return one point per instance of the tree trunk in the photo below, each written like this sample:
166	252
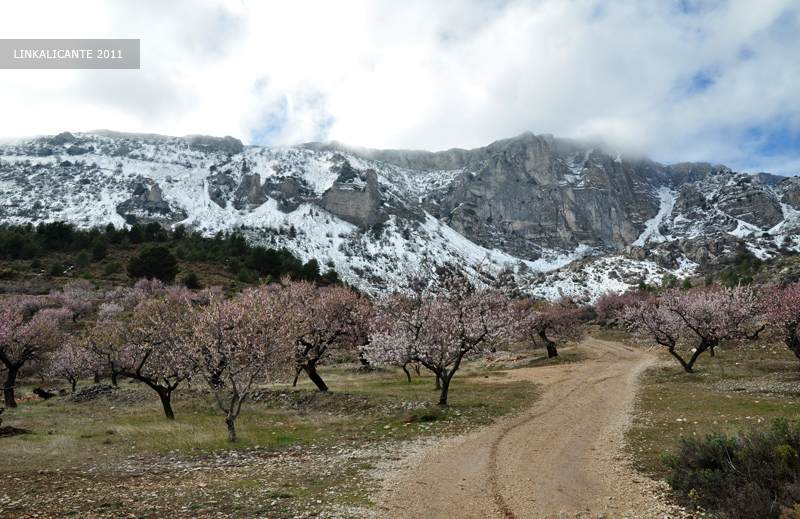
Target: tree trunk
445	389
686	367
311	369
96	377
231	429
166	402
8	389
74	383
362	359
407	373
114	379
754	336
700	349
438	381
296	376
552	352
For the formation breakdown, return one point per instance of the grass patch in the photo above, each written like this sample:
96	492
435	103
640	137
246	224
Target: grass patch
300	451
735	390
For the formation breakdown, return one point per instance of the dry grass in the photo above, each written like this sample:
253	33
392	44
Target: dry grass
65	433
737	389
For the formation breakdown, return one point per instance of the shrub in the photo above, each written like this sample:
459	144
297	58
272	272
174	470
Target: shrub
55	269
82	260
99	248
243	276
153	263
749	475
191	281
112	268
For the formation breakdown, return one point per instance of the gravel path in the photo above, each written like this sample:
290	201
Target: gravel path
561	458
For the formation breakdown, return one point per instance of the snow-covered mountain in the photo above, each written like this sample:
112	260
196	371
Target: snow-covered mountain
565	217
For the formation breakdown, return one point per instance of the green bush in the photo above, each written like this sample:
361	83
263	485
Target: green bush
191	281
99	248
749	475
82	260
153	262
112	268
55	269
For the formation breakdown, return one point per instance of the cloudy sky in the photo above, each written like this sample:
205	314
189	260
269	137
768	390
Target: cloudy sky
678	80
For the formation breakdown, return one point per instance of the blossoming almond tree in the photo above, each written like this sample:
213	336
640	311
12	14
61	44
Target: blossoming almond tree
241	342
76	296
710	314
25	339
611	305
148	345
781	309
653	322
549	321
713	314
71	361
440	330
331	318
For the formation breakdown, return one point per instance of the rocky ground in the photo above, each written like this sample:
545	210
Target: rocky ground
563	457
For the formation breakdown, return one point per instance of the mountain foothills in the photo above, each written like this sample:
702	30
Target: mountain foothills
565	217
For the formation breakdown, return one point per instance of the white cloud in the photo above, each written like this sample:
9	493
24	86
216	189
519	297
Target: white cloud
678	80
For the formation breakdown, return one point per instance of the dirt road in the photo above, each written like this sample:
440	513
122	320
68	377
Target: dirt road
560	458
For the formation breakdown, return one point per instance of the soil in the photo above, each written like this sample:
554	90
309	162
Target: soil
562	457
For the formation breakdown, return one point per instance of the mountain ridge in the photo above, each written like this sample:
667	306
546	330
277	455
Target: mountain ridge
530	204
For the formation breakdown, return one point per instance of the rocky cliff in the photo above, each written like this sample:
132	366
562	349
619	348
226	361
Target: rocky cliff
531	203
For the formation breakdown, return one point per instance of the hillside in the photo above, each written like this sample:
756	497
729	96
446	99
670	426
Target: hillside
566	217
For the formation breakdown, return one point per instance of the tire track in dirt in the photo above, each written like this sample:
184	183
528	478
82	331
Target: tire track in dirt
561	456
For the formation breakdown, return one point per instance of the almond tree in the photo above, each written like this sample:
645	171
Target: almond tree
71	361
713	314
440	330
241	342
549	321
25	338
77	297
710	314
149	345
333	318
654	322
611	305
781	310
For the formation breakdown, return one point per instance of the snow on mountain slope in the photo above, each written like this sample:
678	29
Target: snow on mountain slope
321	202
651	232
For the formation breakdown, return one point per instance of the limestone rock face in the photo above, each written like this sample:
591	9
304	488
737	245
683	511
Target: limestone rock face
359	206
289	193
249	192
790	191
538	191
746	199
220	186
148	205
225	144
62	138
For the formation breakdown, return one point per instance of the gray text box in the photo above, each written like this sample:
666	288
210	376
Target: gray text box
69	54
